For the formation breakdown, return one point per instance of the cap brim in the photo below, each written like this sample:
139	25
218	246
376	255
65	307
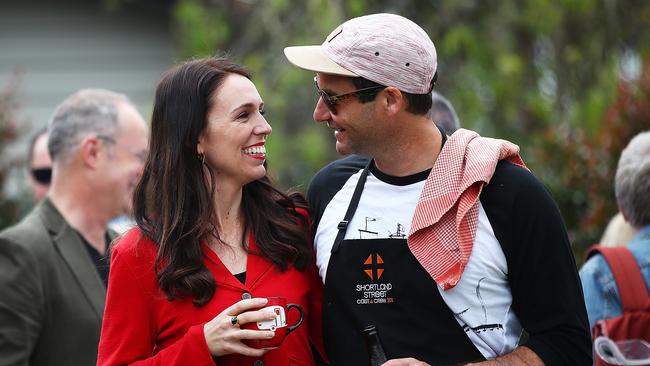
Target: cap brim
313	58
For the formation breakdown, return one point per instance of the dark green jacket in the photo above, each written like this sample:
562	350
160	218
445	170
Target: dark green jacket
51	296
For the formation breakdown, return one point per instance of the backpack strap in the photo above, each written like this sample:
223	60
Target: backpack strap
629	280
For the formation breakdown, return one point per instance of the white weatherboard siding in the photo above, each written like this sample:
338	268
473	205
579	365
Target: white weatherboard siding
60	47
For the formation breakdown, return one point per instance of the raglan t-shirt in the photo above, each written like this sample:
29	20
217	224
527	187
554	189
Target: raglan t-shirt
520	275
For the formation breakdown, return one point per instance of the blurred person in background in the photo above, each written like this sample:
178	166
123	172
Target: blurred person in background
632	187
443	114
53	270
40	175
214	237
39	165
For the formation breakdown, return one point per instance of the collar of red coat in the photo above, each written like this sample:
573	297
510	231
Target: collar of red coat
446	216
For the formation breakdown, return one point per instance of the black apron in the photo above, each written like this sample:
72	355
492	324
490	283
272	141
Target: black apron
379	282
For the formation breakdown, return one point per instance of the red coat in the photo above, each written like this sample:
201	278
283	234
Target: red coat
142	327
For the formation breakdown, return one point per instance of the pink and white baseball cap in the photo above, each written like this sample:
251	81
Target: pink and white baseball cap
385	48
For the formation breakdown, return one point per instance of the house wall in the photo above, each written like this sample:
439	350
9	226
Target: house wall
58	47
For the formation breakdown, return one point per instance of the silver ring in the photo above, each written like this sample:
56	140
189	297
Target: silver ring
234	321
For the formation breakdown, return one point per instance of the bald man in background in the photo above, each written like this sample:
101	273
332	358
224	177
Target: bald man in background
443	114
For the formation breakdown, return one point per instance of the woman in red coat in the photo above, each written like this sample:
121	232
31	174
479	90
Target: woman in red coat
214	238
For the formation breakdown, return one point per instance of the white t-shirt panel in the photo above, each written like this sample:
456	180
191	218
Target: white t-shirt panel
384	211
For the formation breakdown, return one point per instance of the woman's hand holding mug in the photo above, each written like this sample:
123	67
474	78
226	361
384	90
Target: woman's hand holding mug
224	335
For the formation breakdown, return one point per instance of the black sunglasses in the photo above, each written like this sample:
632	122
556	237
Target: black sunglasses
332	100
42	175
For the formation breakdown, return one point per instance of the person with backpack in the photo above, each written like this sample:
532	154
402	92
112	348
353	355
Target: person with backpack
616	281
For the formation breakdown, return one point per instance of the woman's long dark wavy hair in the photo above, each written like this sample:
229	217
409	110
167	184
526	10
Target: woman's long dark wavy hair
173	204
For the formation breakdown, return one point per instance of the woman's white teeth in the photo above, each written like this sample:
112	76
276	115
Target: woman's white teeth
255	150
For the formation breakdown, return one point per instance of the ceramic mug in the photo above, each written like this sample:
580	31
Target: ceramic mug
279	306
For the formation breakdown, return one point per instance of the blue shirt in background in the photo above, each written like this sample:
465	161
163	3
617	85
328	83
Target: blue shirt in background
599	286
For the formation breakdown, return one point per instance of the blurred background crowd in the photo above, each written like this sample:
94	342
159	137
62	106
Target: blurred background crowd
568	80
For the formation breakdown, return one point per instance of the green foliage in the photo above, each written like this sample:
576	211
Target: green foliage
201	29
356	8
541	73
583	184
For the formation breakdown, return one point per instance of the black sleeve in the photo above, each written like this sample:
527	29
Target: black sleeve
546	289
329	180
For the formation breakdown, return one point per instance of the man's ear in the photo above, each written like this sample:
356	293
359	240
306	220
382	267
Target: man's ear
392	100
91	149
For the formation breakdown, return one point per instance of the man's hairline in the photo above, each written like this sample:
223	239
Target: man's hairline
118	104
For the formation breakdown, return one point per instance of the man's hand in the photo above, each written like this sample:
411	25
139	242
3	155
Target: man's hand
520	356
405	362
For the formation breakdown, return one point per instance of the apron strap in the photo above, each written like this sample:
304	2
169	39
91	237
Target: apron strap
352	208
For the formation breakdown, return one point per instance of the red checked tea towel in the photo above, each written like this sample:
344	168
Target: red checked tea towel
446	216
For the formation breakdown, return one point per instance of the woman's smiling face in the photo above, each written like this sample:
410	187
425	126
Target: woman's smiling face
233	141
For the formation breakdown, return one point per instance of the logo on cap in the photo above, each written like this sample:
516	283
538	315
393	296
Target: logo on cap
334	33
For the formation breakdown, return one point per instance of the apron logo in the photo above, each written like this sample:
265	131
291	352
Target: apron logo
374	292
373	266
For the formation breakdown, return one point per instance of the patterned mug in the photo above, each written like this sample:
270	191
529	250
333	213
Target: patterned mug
279	306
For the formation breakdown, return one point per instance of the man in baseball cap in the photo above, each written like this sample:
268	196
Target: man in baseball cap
448	246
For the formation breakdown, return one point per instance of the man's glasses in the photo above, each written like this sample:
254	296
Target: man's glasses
140	155
42	175
332	100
